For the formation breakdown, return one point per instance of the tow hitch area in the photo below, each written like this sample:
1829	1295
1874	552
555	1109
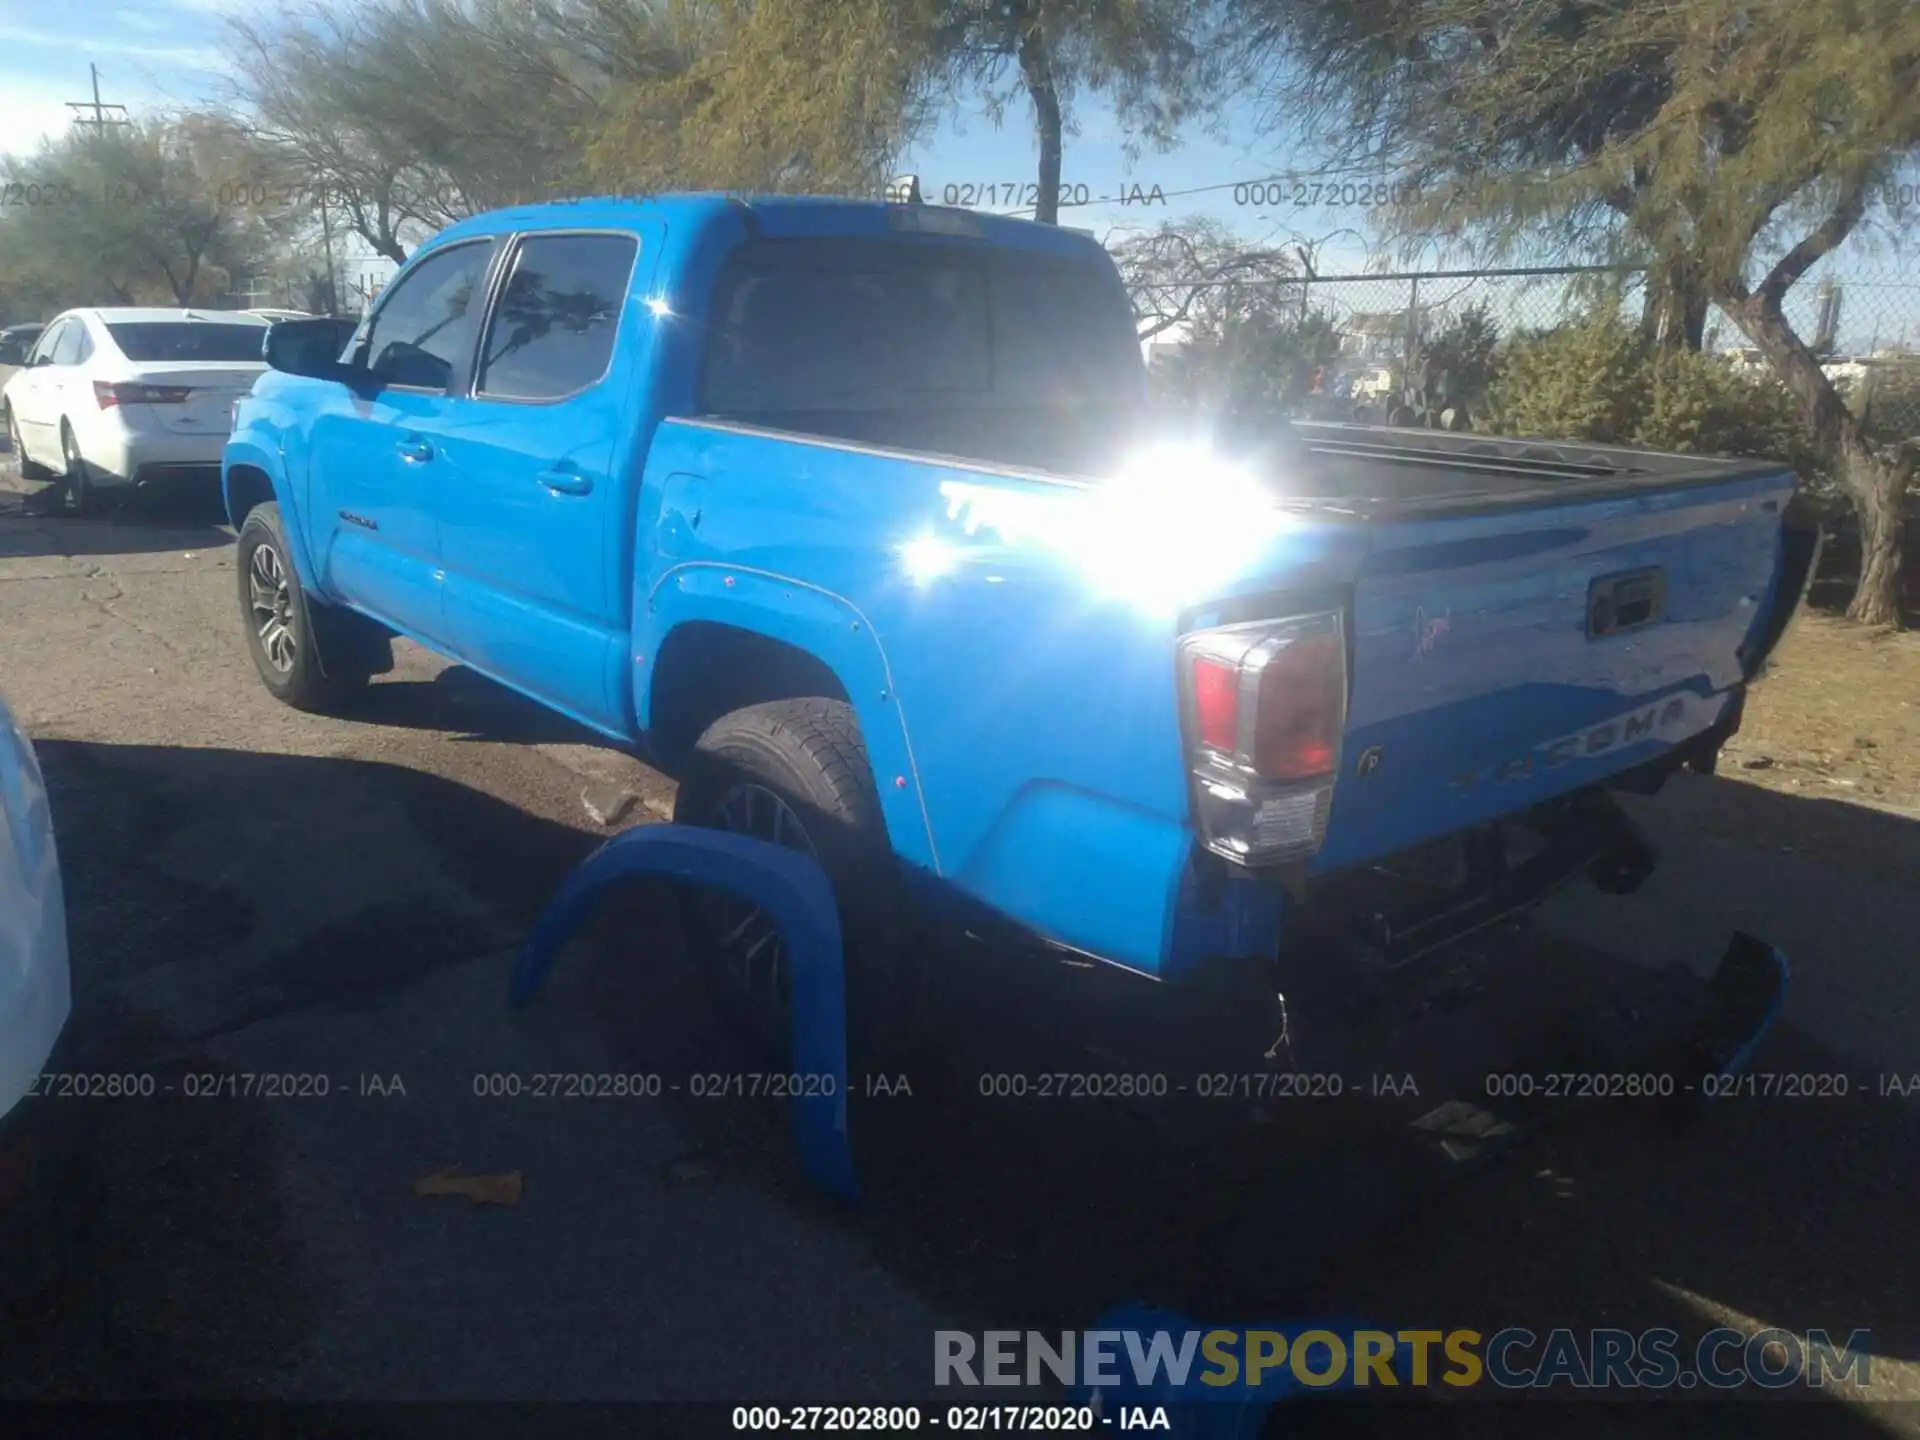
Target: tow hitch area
1730	1018
1690	1041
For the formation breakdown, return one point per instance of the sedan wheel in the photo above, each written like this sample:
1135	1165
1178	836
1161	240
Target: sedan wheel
29	470
82	498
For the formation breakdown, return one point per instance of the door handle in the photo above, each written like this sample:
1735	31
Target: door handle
415	451
566	482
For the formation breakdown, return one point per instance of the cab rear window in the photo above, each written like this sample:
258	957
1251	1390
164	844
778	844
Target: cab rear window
887	324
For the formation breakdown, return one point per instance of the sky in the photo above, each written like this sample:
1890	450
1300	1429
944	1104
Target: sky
161	54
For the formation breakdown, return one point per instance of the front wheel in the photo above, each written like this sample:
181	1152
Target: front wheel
795	773
281	634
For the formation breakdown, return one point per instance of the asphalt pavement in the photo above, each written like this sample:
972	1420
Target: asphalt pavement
258	893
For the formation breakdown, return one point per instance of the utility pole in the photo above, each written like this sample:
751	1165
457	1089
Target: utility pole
326	241
99	122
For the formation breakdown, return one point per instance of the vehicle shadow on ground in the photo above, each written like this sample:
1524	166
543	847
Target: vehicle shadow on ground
465	704
1002	1213
35	522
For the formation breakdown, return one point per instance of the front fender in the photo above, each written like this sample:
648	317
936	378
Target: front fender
259	442
825	625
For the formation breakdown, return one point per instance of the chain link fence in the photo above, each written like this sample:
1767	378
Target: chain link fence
1384	323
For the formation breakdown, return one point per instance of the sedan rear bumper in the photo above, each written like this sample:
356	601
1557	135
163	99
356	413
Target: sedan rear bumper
125	457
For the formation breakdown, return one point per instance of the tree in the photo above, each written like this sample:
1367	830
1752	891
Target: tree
131	216
1148	57
767	95
1380	84
1730	144
1197	270
406	115
1248	347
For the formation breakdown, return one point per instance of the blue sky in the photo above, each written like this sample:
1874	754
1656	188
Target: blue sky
158	54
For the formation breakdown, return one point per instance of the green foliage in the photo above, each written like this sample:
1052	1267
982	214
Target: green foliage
1446	384
1587	381
1466	350
1261	361
129	216
771	95
1726	145
1892	403
1146	57
1601	380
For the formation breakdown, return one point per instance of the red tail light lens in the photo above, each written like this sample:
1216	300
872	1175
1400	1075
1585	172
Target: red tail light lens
1303	702
1216	704
1266	708
109	394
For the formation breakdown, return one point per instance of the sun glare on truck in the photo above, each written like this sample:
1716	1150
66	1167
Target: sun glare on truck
1172	526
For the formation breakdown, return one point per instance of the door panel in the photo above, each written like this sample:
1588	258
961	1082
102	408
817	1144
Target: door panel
375	470
38	398
533	489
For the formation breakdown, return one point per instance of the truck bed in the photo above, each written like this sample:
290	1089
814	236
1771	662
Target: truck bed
1371	471
1482	677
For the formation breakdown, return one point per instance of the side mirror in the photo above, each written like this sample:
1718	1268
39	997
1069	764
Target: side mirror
44	358
311	348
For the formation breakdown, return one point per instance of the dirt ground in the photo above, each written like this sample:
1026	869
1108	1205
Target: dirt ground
1838	715
255	891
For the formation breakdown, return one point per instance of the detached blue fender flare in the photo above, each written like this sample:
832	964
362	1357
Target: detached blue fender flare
796	894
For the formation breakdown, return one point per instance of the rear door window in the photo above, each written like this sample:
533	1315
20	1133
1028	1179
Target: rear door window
551	333
66	345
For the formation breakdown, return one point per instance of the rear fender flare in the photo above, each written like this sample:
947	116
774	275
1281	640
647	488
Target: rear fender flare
827	626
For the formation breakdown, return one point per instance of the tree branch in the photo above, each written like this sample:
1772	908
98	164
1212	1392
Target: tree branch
1851	206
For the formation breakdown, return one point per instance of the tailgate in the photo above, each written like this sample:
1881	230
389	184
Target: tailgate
1505	655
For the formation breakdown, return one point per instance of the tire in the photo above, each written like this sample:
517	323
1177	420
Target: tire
29	469
83	496
310	657
809	755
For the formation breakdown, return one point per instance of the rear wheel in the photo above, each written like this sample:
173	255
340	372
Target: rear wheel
795	773
83	497
310	657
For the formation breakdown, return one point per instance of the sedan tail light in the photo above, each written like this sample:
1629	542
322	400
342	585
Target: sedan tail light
1265	709
108	394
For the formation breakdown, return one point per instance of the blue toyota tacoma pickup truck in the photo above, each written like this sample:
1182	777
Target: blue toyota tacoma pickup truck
854	516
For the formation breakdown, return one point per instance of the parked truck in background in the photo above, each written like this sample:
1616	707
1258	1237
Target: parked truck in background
854	517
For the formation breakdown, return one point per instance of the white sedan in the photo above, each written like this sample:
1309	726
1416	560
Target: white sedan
34	986
123	398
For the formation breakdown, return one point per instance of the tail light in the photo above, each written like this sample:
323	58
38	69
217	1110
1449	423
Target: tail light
1265	708
107	394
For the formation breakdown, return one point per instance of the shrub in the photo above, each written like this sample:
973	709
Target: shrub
1585	381
1600	380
